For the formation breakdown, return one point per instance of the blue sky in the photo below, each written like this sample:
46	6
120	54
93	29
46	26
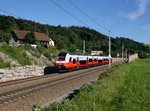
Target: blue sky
124	18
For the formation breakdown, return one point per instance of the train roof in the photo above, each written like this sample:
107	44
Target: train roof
77	54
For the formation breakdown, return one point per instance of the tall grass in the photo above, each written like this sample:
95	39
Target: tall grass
124	88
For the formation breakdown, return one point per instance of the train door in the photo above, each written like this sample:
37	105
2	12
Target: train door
77	62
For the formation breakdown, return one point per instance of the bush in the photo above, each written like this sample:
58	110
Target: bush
37	107
49	52
16	53
142	55
4	64
86	87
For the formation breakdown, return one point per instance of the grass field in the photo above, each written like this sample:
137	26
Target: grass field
123	88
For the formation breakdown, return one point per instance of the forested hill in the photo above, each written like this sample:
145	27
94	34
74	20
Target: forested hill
71	38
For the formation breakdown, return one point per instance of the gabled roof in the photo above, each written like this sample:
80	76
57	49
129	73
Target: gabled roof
39	36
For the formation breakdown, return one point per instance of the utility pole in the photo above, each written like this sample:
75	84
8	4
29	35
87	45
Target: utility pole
47	31
84	47
126	54
109	50
122	52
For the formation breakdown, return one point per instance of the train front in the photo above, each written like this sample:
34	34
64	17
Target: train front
60	61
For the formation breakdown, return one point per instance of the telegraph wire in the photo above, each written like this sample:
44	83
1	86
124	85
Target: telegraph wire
84	13
9	13
109	32
58	5
89	17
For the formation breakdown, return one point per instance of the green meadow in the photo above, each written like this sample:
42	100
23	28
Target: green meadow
121	88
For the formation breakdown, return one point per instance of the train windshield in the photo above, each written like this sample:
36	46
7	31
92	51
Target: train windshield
61	56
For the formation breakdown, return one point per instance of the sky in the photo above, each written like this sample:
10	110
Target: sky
117	18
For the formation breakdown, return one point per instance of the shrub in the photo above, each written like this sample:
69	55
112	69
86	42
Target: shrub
16	53
4	64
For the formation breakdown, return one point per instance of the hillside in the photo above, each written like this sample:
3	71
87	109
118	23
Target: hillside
26	55
71	38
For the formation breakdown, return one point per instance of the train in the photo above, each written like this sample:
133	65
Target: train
69	61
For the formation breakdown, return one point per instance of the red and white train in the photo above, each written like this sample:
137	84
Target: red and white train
72	61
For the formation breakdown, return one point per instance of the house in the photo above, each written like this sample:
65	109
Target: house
51	42
41	38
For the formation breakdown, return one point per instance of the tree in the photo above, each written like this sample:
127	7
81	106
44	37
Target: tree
64	37
4	38
30	38
72	48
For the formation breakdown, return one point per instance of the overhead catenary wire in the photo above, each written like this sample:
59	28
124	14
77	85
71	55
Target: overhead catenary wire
79	20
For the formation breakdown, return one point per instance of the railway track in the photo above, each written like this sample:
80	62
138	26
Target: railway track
12	95
23	92
12	82
23	80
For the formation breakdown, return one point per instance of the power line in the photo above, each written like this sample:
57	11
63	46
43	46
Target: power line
89	17
69	13
84	13
4	11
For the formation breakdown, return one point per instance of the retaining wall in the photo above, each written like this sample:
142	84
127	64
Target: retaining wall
133	57
20	72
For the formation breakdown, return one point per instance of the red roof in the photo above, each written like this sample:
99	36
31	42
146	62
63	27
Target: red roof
39	36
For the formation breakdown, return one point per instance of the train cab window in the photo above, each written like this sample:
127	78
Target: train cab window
61	58
70	59
74	61
90	60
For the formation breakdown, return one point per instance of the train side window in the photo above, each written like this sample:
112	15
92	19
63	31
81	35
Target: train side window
100	60
74	61
95	60
70	58
82	62
90	60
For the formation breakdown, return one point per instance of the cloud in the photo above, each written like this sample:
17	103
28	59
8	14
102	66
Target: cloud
142	5
146	27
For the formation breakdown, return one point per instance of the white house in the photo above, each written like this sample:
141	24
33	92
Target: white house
51	42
